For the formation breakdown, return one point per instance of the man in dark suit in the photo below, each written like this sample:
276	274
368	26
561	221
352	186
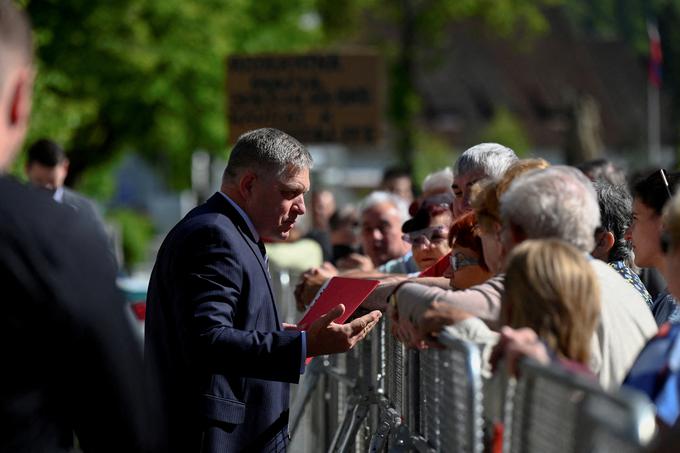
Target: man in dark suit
47	167
70	363
212	323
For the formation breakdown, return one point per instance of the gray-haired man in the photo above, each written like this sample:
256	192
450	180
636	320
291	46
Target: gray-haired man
212	323
486	160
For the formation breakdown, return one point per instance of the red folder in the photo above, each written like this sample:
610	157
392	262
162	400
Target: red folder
350	292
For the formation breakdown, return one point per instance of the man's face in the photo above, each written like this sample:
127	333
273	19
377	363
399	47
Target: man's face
462	184
400	186
323	207
381	233
50	178
274	203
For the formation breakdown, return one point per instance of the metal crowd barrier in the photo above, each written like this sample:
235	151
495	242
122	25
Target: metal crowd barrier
381	397
550	410
387	398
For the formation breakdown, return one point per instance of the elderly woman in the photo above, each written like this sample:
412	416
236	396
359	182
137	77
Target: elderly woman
649	196
428	230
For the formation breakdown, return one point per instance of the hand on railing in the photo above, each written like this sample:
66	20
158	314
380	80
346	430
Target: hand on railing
400	328
422	332
327	337
515	345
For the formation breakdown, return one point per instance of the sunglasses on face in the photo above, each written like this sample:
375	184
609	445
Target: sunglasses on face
459	261
433	235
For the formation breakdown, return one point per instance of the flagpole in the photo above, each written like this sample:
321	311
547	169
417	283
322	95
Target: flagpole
653	125
653	89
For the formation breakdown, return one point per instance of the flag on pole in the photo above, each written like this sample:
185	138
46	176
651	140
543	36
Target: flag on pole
655	55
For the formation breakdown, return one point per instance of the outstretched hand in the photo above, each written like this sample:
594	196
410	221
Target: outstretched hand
327	337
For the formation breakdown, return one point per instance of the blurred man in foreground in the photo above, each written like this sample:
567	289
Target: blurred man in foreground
70	362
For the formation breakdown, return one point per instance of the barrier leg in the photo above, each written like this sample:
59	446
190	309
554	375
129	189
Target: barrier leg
340	433
389	420
358	416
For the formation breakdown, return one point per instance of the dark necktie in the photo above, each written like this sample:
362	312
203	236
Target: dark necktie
263	250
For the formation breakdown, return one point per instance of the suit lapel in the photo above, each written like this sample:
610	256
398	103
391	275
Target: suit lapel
220	204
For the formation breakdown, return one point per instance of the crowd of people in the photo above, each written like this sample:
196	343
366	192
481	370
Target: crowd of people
546	261
560	264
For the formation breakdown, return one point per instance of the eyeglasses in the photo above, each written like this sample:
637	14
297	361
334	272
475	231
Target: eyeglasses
459	261
432	235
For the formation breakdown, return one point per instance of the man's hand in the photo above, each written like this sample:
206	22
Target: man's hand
326	337
356	262
514	345
310	283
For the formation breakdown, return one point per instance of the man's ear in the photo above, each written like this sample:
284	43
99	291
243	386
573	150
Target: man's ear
516	234
20	100
246	184
605	242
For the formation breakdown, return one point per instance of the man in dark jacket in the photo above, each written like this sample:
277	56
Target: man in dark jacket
212	323
70	362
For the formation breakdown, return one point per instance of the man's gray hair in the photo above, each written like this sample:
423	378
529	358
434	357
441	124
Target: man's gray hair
380	197
558	202
267	149
492	159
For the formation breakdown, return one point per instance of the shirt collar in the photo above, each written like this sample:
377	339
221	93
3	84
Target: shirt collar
58	195
253	231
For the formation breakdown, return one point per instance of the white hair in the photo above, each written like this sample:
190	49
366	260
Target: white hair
379	197
438	181
492	159
557	202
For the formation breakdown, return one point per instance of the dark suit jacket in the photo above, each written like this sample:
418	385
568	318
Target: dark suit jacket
83	205
87	209
69	359
213	328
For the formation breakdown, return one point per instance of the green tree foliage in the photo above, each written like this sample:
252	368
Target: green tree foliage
420	24
506	129
148	75
136	232
432	154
